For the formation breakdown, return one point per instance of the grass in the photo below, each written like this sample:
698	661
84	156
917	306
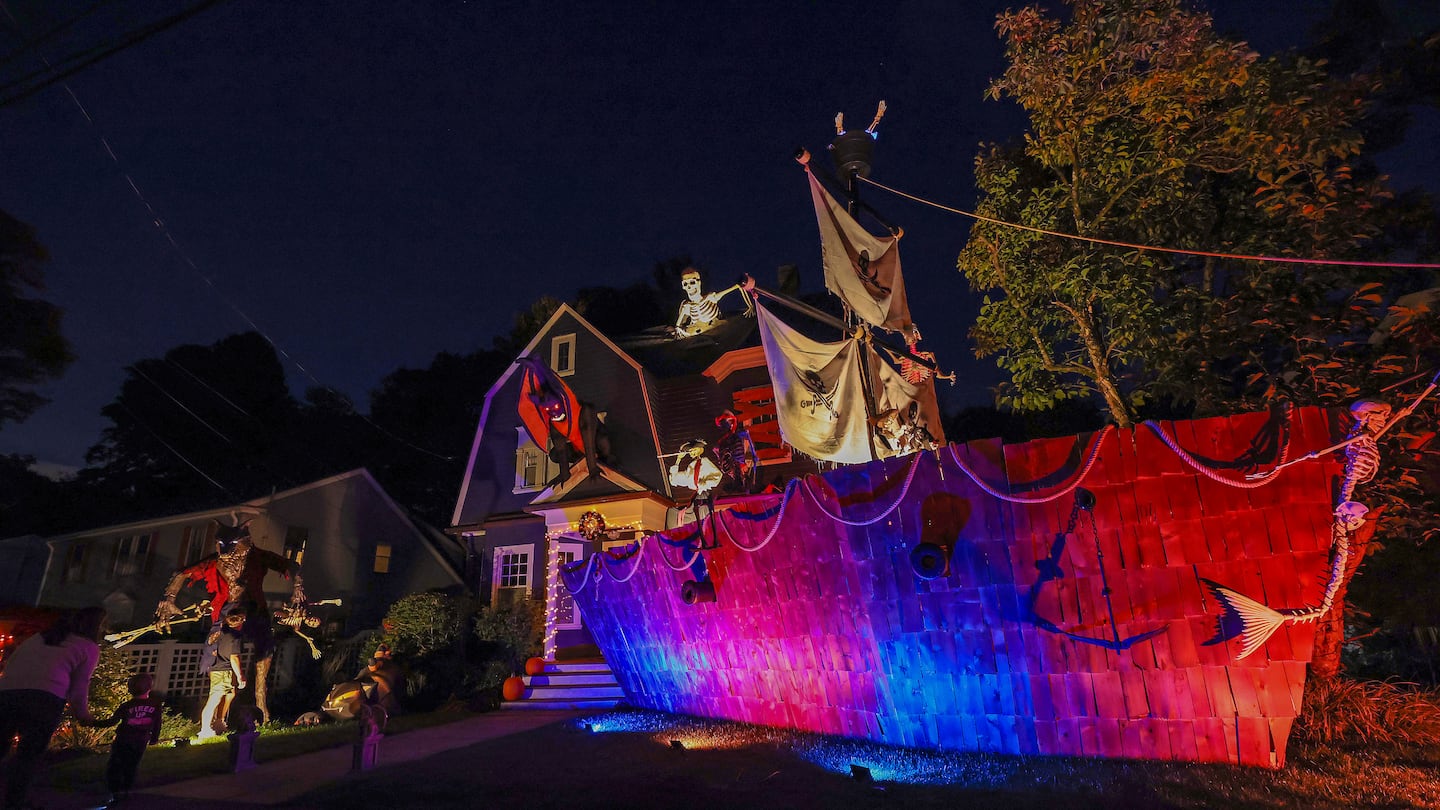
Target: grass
164	764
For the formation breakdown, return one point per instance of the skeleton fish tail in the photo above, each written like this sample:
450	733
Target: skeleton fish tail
1259	622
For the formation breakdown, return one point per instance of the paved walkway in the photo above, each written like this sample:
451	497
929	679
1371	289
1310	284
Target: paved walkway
280	781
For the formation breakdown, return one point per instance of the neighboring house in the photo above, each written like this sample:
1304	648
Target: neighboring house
22	569
519	516
353	543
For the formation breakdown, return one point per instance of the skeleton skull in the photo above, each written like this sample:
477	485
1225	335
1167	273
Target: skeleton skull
690	283
1371	414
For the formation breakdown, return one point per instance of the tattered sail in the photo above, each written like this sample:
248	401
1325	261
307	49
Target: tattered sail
864	270
907	416
819	397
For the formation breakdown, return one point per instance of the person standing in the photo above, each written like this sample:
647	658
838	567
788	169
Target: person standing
139	720
227	674
41	676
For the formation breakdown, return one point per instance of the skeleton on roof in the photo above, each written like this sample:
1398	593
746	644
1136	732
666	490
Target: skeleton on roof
700	312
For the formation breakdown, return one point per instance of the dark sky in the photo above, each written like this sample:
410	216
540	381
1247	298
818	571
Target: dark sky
375	182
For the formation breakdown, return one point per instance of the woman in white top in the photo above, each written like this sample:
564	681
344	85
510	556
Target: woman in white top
41	676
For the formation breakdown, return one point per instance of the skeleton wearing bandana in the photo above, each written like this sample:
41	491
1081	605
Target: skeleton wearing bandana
700	312
235	576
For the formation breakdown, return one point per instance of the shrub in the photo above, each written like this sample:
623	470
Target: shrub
424	623
1344	710
510	634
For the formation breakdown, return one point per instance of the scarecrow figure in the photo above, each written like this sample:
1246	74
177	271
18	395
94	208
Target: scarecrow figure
235	578
700	312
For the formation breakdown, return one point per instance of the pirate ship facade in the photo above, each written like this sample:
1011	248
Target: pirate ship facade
1145	593
1042	598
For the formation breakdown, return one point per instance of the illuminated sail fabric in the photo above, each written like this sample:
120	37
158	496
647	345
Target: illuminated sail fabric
862	269
894	393
819	398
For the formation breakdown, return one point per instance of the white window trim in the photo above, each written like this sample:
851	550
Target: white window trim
555	344
548	468
499	554
561	592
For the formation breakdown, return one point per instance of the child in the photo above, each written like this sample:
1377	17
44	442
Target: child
226	673
139	719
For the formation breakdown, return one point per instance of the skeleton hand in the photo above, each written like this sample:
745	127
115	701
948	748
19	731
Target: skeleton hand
164	612
297	596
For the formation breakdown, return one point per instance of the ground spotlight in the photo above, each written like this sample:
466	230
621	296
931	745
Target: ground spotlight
591	727
676	745
861	774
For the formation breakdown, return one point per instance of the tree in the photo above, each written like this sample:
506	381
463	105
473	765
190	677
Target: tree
202	426
32	348
427	420
1147	127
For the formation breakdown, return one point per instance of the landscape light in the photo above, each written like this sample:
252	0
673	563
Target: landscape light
676	745
861	774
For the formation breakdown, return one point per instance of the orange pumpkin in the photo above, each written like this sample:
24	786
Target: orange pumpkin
534	666
514	688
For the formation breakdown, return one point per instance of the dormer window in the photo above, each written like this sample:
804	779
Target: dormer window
533	468
562	354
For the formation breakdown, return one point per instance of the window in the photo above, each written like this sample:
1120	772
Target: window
566	616
196	542
562	354
295	537
382	558
132	555
75	556
511	583
533	468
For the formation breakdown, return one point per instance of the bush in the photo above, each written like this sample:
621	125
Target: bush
424	623
510	634
1343	710
174	724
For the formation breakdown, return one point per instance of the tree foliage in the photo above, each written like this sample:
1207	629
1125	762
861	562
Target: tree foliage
1147	127
32	348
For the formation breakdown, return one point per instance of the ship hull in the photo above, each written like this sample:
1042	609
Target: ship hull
1048	634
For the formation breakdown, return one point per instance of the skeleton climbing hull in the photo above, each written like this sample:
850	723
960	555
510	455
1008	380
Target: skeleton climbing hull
1101	641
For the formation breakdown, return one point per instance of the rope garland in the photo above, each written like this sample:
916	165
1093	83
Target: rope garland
1153	248
1210	473
904	490
634	566
797	484
1060	493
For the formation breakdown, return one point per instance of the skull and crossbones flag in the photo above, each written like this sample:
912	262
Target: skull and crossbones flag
864	270
819	396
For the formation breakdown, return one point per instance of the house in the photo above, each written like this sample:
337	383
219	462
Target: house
352	540
520	514
22	569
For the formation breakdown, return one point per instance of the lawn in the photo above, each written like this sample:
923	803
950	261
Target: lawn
164	764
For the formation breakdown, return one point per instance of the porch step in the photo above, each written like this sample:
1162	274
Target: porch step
570	685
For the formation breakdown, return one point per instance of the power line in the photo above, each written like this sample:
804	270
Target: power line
177	453
93	55
30	45
1153	248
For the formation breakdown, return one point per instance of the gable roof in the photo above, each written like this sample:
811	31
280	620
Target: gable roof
412	523
563	310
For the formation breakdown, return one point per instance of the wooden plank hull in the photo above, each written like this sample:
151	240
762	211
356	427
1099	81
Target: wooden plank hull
1099	642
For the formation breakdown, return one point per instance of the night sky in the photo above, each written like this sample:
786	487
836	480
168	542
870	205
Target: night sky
372	183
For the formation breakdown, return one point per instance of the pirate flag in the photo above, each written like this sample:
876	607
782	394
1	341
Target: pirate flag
862	269
819	397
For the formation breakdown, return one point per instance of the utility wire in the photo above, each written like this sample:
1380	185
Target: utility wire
185	257
181	405
90	57
177	453
30	45
1154	248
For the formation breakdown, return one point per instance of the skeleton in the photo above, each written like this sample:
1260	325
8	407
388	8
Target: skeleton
700	312
735	454
235	575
